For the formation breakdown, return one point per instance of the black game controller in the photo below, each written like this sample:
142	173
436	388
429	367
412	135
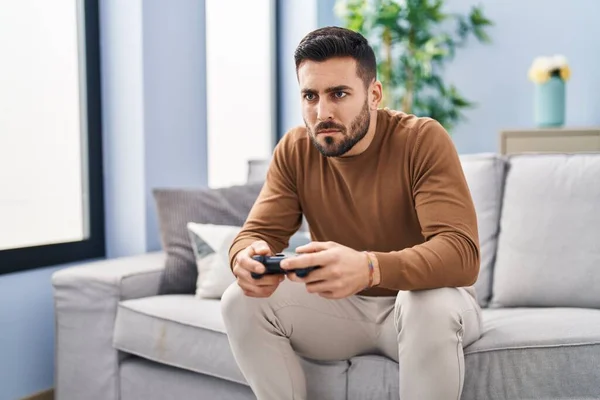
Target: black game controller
271	264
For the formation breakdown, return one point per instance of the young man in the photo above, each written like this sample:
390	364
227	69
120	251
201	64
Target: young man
394	232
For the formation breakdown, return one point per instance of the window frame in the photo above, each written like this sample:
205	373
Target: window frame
34	257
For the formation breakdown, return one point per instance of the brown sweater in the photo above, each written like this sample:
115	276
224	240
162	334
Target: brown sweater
405	198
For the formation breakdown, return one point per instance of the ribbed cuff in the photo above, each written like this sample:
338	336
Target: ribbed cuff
391	270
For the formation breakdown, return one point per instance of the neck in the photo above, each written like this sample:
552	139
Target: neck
365	142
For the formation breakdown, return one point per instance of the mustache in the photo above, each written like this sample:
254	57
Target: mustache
329	125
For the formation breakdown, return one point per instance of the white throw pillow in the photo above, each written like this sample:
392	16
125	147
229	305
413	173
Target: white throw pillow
211	245
211	249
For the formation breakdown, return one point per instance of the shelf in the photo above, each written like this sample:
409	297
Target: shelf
550	140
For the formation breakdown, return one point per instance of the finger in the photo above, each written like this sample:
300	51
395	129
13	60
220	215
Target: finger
260	247
242	272
250	265
294	278
265	280
317	275
256	291
314	247
329	295
268	280
328	286
249	289
306	260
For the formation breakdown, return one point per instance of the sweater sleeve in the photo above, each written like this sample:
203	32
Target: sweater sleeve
449	255
276	214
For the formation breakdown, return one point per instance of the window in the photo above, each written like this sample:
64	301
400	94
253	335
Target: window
241	87
51	205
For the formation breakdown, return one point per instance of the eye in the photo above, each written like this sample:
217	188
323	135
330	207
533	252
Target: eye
309	96
340	95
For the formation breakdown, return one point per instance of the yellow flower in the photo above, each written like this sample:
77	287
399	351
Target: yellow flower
538	75
543	68
565	72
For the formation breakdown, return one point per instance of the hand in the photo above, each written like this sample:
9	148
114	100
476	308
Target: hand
244	265
344	271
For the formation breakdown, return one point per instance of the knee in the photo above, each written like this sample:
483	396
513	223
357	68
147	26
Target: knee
427	308
233	303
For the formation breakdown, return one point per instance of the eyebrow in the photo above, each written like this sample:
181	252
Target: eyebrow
339	88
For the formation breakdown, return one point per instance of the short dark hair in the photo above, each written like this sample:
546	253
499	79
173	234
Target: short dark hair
332	41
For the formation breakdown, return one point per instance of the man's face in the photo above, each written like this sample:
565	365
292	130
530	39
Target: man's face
335	104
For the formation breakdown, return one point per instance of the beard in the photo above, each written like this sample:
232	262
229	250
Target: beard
336	148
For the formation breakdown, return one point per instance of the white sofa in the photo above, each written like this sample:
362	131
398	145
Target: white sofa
539	224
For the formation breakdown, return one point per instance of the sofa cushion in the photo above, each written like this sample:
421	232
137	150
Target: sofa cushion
485	175
549	242
522	354
189	333
176	207
541	353
149	380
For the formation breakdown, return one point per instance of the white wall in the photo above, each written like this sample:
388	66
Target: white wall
240	75
521	32
154	112
174	101
298	17
121	34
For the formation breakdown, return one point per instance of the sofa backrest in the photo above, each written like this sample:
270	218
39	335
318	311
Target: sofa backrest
257	170
548	251
485	176
539	227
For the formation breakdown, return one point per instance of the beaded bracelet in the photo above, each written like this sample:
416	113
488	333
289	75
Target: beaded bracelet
371	269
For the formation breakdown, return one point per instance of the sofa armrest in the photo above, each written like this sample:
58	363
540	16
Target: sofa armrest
86	297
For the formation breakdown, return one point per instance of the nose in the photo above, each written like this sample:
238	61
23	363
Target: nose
324	110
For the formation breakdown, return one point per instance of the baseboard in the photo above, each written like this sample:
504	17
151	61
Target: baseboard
44	395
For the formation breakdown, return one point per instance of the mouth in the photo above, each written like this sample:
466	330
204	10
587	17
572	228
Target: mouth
328	131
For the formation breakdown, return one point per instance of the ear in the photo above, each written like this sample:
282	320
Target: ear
375	95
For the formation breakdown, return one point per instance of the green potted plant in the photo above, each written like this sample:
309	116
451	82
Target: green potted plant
413	40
